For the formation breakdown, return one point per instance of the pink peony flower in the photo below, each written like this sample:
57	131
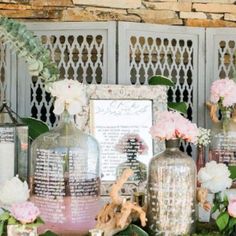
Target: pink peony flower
128	139
223	89
172	125
232	208
25	212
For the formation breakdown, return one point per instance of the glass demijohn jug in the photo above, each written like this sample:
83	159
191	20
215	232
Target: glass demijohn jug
65	178
171	192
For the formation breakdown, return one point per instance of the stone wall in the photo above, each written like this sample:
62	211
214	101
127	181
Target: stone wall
205	13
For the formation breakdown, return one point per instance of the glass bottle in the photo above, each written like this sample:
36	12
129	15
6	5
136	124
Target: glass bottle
223	142
65	178
171	192
139	168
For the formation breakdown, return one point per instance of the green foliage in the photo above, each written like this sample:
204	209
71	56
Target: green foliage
160	80
178	106
28	46
36	127
222	220
133	230
232	170
48	233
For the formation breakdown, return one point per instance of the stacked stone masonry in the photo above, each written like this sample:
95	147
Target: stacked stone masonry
205	13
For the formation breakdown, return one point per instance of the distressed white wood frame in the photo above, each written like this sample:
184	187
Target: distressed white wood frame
157	94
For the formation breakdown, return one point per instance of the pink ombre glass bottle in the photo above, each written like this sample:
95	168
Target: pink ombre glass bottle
65	178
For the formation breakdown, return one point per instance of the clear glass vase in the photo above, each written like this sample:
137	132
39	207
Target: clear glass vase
223	142
171	192
65	178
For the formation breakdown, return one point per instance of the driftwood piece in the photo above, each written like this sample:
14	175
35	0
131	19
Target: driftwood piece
202	198
118	214
213	111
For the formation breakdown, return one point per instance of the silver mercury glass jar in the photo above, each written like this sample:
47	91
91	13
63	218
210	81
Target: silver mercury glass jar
171	192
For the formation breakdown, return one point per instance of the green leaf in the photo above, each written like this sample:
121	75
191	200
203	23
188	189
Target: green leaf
37	223
4	216
36	127
214	208
232	170
178	106
222	220
12	221
48	233
232	223
132	230
160	80
1	228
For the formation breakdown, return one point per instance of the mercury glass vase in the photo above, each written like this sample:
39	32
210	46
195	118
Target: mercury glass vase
65	178
171	192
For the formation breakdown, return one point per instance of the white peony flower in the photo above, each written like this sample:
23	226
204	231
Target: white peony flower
69	93
14	191
215	177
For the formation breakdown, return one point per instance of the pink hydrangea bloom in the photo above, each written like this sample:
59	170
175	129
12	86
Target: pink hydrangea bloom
172	125
223	89
25	212
232	208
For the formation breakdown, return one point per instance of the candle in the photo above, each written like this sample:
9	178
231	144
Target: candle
7	161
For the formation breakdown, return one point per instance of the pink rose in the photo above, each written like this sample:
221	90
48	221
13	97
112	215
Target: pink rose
25	212
232	208
172	125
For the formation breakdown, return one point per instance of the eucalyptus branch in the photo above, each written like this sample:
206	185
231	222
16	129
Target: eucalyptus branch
29	47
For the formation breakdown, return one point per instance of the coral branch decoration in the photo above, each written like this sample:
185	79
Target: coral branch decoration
118	214
29	47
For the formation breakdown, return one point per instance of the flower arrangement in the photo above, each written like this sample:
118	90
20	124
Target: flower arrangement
216	178
171	125
125	142
18	215
223	92
73	97
26	45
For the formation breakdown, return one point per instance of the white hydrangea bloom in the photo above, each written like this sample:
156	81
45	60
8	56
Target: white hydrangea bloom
14	191
215	177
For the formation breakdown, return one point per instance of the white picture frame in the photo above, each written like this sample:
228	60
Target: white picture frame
156	94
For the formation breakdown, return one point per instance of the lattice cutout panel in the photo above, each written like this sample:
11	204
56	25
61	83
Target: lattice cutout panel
165	56
156	51
220	57
227	59
79	57
81	54
3	82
